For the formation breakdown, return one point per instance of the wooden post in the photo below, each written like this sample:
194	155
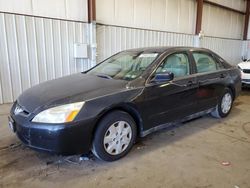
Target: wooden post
91	11
246	20
199	16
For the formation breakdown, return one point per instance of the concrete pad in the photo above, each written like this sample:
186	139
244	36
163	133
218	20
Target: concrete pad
190	155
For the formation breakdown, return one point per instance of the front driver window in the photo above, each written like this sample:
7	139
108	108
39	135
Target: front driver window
177	63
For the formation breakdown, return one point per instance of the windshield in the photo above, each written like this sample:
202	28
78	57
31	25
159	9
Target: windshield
124	66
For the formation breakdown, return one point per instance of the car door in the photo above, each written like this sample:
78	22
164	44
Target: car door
211	78
169	101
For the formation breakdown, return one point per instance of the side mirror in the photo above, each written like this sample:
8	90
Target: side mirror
163	77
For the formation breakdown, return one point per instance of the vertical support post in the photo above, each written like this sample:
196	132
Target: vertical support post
92	31
199	16
246	20
91	11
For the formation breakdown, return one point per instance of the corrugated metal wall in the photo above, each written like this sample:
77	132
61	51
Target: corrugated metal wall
231	50
112	39
131	24
222	23
63	9
33	50
164	15
173	16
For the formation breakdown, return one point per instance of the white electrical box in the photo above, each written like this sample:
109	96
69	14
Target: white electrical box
80	50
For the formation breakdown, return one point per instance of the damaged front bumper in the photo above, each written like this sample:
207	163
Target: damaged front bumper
65	139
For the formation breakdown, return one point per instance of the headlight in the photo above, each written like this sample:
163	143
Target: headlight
59	114
240	68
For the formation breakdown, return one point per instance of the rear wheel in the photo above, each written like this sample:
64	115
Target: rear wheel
224	106
114	137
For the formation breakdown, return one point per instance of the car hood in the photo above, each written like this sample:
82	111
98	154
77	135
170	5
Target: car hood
69	89
244	65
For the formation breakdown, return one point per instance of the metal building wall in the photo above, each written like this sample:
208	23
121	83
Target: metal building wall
112	39
222	23
131	23
33	50
164	15
229	49
61	9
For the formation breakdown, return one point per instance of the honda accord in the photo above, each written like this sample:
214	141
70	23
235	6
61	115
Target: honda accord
129	95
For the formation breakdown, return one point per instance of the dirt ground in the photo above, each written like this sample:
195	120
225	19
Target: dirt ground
203	153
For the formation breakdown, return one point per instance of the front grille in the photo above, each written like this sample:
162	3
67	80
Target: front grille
246	80
19	110
247	71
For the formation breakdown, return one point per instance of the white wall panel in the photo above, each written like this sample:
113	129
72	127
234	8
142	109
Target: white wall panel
158	14
77	10
34	50
23	6
23	52
62	9
41	56
163	15
173	16
111	39
53	9
10	23
6	84
230	50
222	23
65	48
49	48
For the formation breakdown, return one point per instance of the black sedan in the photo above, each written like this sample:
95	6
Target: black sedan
129	95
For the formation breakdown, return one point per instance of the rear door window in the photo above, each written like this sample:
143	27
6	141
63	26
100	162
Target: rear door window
205	63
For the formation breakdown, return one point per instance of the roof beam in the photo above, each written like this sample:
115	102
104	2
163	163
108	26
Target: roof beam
224	7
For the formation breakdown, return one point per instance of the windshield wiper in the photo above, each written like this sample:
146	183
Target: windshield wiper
104	76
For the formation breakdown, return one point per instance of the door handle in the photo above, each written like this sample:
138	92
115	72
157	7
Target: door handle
189	83
201	82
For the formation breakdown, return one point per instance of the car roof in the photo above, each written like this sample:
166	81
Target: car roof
162	49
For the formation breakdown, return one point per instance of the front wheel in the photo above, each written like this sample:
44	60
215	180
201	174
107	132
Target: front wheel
114	136
224	106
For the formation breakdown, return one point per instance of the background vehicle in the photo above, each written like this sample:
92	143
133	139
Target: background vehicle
245	72
132	93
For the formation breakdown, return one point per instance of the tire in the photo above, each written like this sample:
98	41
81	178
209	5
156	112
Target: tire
222	110
114	137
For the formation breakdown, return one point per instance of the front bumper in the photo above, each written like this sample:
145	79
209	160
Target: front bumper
245	81
64	139
245	78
